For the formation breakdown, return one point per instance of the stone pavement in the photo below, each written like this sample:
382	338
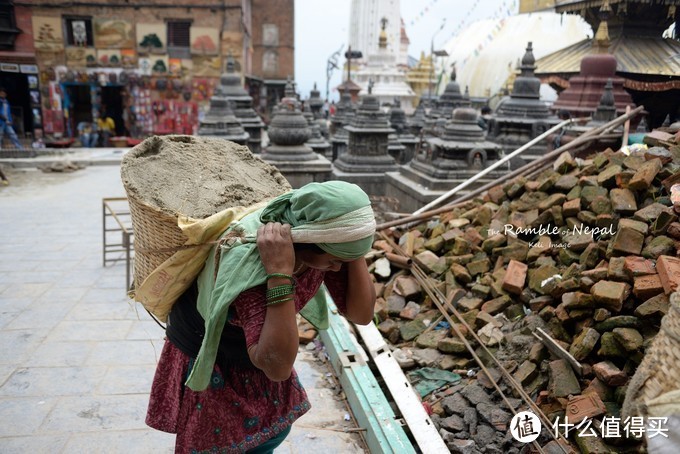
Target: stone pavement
77	357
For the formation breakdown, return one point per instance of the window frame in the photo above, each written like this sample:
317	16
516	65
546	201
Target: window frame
68	30
182	49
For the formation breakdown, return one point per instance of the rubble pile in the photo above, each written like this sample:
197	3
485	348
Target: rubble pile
586	251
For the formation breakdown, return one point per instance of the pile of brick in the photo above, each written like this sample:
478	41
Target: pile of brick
585	251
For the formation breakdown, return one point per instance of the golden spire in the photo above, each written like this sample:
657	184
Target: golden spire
382	41
601	40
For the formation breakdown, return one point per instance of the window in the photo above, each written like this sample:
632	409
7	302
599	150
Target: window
270	34
79	31
8	29
179	39
270	62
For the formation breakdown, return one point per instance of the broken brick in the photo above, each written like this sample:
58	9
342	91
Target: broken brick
669	272
515	277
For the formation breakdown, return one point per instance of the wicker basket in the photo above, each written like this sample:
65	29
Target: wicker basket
659	370
157	237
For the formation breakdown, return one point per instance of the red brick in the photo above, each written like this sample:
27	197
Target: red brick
571	207
638	266
515	277
646	287
584	406
610	374
669	272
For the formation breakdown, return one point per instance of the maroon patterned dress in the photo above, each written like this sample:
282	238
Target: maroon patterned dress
241	408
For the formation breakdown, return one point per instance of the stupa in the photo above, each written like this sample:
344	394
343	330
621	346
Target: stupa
402	143
288	132
316	141
522	116
449	100
316	104
219	121
342	117
389	82
367	159
445	162
582	97
243	106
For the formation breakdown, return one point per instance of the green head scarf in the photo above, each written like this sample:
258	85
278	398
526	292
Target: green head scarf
334	215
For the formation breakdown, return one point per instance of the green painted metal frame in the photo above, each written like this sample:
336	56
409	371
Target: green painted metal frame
371	409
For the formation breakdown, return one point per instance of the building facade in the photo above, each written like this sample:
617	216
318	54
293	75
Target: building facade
150	65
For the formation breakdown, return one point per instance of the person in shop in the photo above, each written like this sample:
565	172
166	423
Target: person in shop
6	127
106	127
225	380
87	133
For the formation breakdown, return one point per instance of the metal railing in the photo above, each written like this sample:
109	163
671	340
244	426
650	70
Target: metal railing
116	218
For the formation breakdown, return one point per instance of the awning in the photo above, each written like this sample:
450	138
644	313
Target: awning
19	58
635	55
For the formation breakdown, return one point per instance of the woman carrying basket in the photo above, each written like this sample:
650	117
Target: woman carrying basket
225	380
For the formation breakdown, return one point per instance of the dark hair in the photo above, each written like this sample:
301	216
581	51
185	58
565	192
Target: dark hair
486	110
311	247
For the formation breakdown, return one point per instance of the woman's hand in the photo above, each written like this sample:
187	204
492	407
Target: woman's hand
275	244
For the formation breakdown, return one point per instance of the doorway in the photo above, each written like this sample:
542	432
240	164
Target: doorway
112	106
16	87
80	105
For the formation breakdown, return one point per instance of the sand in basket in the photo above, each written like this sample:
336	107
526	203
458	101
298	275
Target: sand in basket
167	176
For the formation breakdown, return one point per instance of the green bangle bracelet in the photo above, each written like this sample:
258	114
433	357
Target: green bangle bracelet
282	300
292	279
279	290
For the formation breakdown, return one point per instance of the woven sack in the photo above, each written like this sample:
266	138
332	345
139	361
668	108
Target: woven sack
225	175
157	237
656	382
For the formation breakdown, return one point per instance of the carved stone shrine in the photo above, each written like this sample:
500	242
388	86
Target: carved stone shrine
242	104
367	159
445	162
219	121
522	116
288	133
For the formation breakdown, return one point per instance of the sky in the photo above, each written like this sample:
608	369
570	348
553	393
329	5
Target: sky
322	27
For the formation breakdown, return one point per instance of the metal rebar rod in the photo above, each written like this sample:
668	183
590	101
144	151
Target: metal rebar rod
502	161
588	136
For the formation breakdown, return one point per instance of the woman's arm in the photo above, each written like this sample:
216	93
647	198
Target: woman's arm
360	294
276	350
